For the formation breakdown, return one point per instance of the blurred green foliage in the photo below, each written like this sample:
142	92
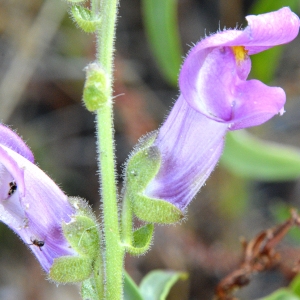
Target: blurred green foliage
160	17
131	290
290	293
253	158
156	285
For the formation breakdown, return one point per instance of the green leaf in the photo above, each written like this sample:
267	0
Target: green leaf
157	284
67	269
85	19
160	19
141	240
252	158
282	294
131	290
272	56
295	285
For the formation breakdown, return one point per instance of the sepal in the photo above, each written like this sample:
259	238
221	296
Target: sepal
83	235
142	238
85	19
142	167
96	87
67	269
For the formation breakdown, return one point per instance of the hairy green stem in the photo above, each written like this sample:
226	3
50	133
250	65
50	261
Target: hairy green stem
114	252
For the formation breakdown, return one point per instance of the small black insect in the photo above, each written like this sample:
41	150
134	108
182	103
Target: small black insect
37	243
12	188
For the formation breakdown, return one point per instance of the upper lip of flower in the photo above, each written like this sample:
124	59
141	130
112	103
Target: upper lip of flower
213	77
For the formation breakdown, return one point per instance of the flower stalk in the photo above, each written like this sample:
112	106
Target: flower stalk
114	252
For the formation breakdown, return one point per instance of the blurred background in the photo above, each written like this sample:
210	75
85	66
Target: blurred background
42	57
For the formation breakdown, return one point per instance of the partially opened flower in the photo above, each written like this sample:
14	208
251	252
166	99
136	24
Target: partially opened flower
31	204
216	97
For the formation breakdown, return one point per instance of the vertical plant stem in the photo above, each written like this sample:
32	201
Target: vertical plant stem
114	252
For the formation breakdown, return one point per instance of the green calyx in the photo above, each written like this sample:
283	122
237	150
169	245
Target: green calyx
142	167
83	232
83	235
85	18
96	88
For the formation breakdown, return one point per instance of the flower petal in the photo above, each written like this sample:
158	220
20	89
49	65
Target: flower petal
190	145
10	171
11	140
255	104
39	213
271	29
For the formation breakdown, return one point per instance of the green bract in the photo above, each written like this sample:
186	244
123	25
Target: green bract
96	87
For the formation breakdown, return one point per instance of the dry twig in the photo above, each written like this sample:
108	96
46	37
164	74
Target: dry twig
259	255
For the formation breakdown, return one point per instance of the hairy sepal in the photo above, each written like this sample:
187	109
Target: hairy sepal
142	238
85	19
142	167
83	235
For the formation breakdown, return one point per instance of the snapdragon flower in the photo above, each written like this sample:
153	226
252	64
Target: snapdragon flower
31	204
215	98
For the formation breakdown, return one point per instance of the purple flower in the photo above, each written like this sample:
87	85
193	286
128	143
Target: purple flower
216	97
32	205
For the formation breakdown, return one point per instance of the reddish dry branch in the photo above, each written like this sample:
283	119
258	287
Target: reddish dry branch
259	255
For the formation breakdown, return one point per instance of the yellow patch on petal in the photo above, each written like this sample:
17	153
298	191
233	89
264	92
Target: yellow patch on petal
240	53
